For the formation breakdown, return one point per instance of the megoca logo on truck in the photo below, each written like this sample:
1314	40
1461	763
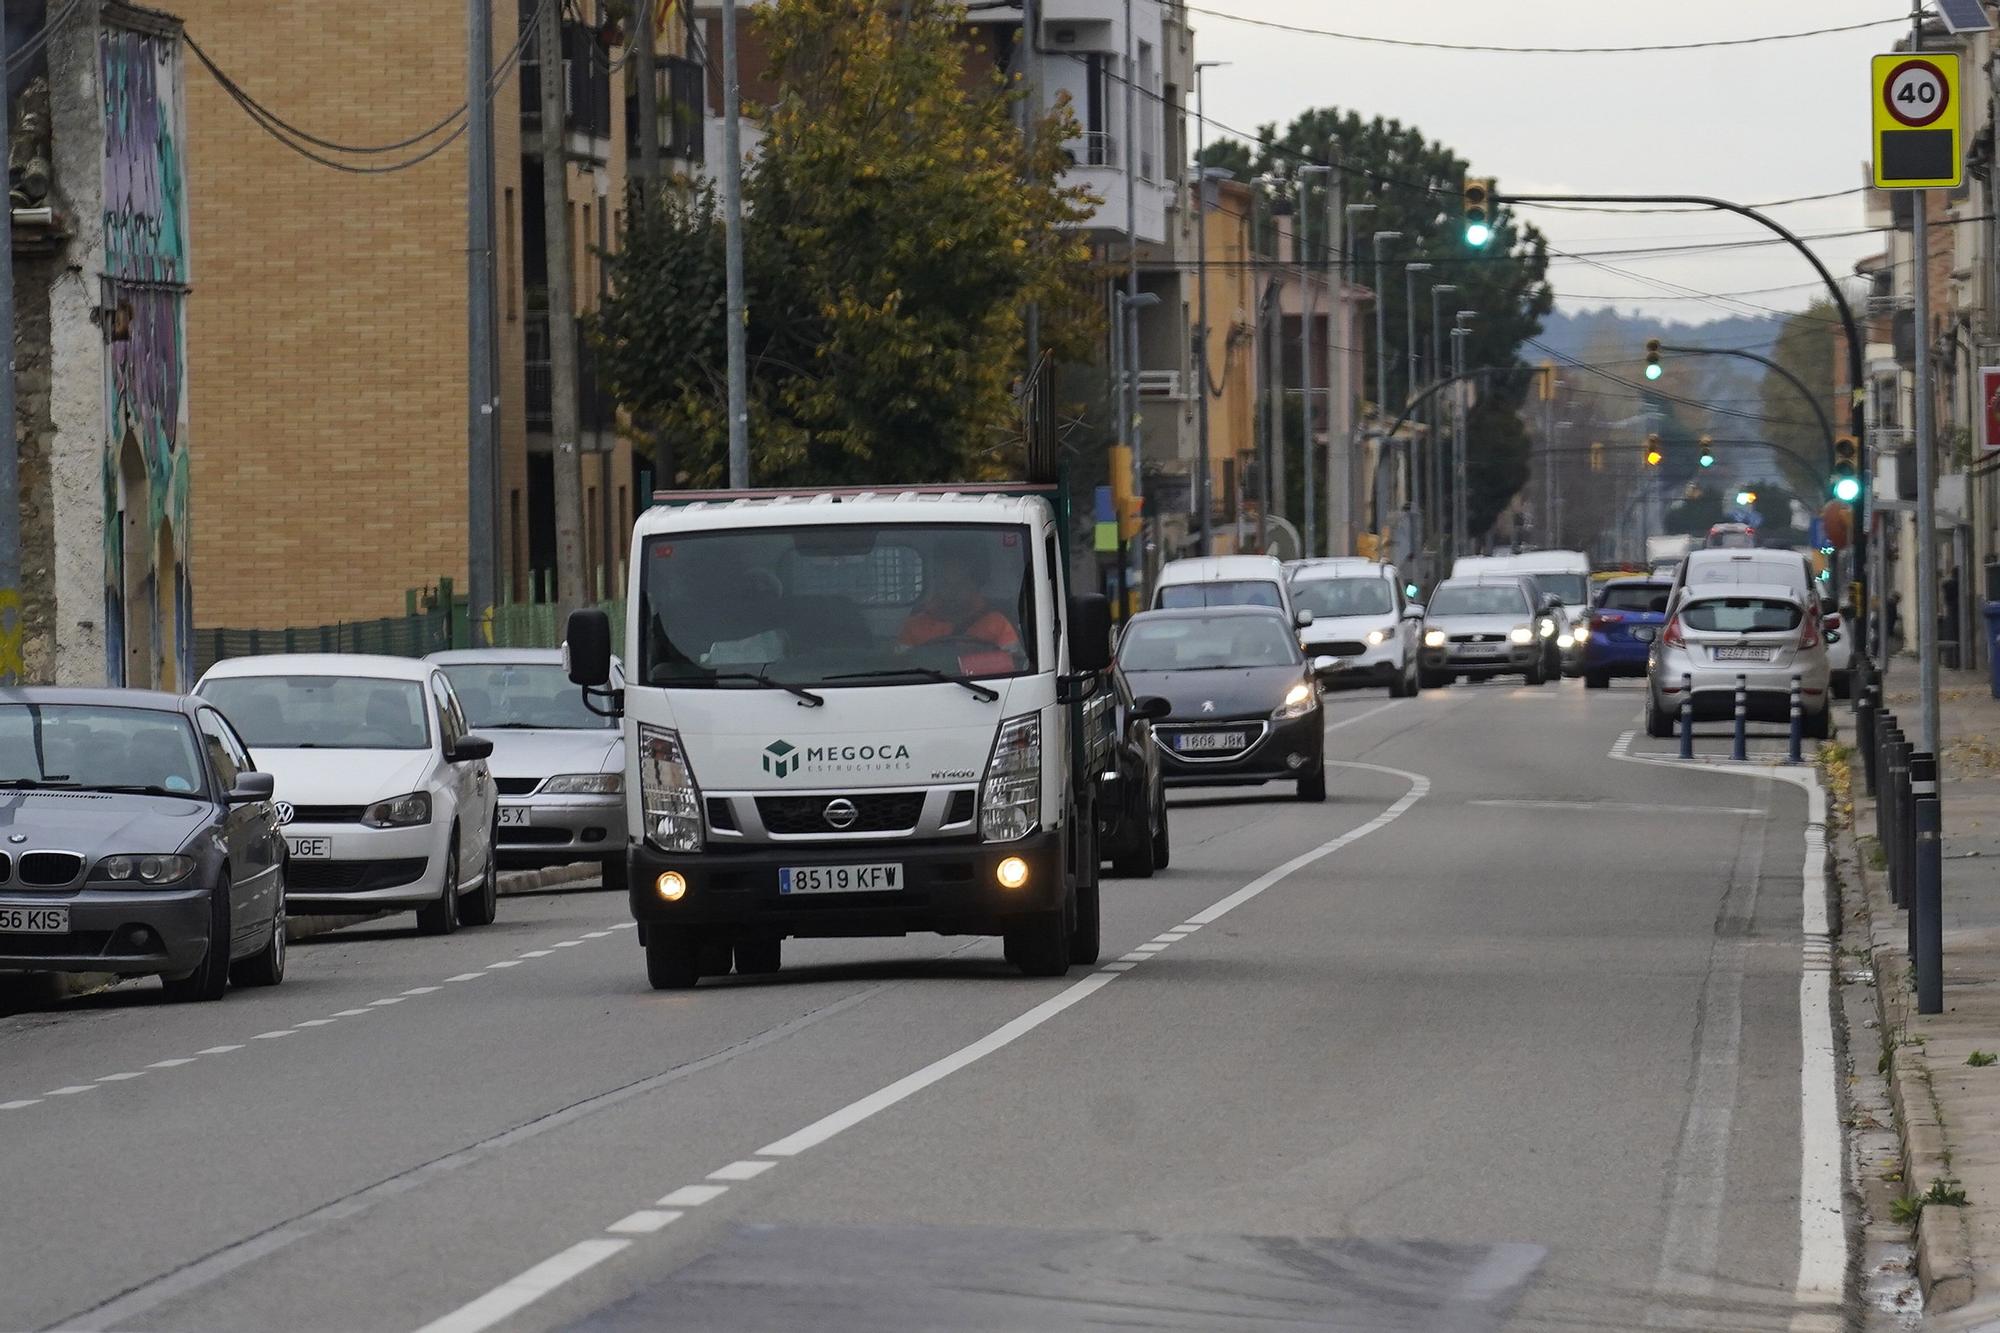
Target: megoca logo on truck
781	759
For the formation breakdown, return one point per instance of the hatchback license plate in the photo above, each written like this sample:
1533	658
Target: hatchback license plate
514	816
310	849
1740	654
34	920
1481	649
886	877
1197	742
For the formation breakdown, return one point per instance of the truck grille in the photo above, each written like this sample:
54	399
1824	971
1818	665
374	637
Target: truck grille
875	812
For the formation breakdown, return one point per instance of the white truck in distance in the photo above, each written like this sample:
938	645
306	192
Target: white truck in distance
854	713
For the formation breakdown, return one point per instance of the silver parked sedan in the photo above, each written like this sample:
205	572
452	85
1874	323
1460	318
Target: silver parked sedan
1764	633
559	768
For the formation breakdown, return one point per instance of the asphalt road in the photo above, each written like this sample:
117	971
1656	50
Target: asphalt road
1506	1034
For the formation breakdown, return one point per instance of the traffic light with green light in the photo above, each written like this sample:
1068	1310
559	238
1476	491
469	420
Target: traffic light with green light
1707	452
1478	211
1846	478
1653	451
1653	368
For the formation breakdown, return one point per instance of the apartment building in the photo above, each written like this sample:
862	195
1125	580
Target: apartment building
328	337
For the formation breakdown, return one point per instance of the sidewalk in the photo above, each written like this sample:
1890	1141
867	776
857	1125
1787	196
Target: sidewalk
1947	1109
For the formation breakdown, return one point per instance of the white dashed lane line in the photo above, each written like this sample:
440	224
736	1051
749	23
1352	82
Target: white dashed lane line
373	1006
516	1294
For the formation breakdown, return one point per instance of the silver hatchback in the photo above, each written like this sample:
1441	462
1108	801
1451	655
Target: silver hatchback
1763	634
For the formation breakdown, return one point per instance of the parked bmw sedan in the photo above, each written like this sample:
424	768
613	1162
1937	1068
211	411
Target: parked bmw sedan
1763	634
559	768
381	785
136	838
1243	702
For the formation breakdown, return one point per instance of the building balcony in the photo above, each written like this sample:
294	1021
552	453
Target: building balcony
586	95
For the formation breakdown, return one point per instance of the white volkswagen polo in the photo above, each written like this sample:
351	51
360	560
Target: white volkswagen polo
382	788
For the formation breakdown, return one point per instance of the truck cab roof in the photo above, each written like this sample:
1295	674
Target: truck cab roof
712	510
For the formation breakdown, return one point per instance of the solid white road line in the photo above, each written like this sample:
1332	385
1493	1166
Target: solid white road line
1625	807
520	1292
1820	1285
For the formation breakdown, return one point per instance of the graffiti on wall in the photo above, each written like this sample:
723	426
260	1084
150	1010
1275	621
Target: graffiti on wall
149	615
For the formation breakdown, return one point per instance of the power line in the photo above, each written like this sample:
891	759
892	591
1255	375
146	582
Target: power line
33	46
1371	40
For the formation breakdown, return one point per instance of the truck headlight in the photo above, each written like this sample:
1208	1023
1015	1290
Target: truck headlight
1298	702
399	811
1521	634
1433	638
584	784
146	870
668	796
1010	800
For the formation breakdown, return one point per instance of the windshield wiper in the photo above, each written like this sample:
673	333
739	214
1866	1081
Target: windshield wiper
979	692
130	789
759	678
28	784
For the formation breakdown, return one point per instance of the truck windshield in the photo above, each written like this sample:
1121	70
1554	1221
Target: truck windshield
836	606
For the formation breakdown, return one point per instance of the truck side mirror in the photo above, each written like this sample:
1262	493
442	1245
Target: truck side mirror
1089	634
587	648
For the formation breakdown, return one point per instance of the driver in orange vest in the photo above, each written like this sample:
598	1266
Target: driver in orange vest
954	608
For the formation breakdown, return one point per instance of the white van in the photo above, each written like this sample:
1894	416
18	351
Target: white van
1361	619
1227	580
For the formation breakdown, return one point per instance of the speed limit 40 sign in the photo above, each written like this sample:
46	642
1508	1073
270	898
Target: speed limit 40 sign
1917	115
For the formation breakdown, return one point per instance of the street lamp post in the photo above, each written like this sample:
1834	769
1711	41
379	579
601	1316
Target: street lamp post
1419	484
1461	512
1440	519
1127	332
1204	505
1301	231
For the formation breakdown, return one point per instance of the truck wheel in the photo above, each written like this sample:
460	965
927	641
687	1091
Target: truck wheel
1596	680
759	957
672	958
1040	945
1085	941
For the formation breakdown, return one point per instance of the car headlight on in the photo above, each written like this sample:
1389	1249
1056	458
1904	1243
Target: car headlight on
1433	638
1521	634
668	796
1546	626
1377	637
1298	702
399	811
1581	633
1010	799
144	870
584	784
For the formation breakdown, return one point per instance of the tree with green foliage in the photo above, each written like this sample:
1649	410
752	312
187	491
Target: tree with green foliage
1806	347
897	227
1416	186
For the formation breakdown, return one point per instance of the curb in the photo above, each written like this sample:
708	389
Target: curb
40	988
1945	1269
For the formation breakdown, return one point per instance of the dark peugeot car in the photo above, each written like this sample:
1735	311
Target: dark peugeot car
1243	702
136	838
1132	795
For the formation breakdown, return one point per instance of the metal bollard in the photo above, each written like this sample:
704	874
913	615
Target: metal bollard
1896	781
1864	737
1798	721
1736	747
1927	902
1885	727
1687	716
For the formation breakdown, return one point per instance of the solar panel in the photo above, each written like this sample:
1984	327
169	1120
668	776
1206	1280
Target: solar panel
1963	16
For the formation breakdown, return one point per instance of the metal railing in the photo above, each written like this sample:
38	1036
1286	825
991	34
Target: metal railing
431	630
1099	149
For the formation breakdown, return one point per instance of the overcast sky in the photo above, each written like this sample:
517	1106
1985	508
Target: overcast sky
1752	123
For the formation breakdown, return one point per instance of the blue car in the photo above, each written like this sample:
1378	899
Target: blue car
1623	624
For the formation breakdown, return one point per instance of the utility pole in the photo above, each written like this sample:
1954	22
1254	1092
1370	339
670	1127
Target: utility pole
482	419
1418	485
13	609
646	70
1303	231
1204	502
732	228
1441	518
1460	511
1276	501
1129	391
562	318
1343	432
1031	115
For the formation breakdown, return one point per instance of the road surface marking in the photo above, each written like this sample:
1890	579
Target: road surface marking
350	1013
747	1169
175	1063
536	953
1148	950
120	1078
1626	807
488	1310
505	962
422	990
273	1036
315	1022
595	934
20	1103
1134	957
1363	717
565	944
1118	967
1820	1285
644	1222
71	1090
519	1292
218	1050
466	976
385	1002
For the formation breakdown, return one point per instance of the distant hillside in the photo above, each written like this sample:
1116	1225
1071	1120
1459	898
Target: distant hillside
1569	333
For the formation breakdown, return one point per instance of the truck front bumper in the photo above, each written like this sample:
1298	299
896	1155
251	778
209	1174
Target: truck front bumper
951	888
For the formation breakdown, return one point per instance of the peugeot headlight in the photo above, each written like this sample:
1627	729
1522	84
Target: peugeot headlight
1298	702
1521	634
668	796
1377	637
1433	638
145	870
1010	800
584	784
399	811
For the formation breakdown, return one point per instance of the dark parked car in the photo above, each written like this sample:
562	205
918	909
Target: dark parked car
1132	793
136	837
1623	624
1244	704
